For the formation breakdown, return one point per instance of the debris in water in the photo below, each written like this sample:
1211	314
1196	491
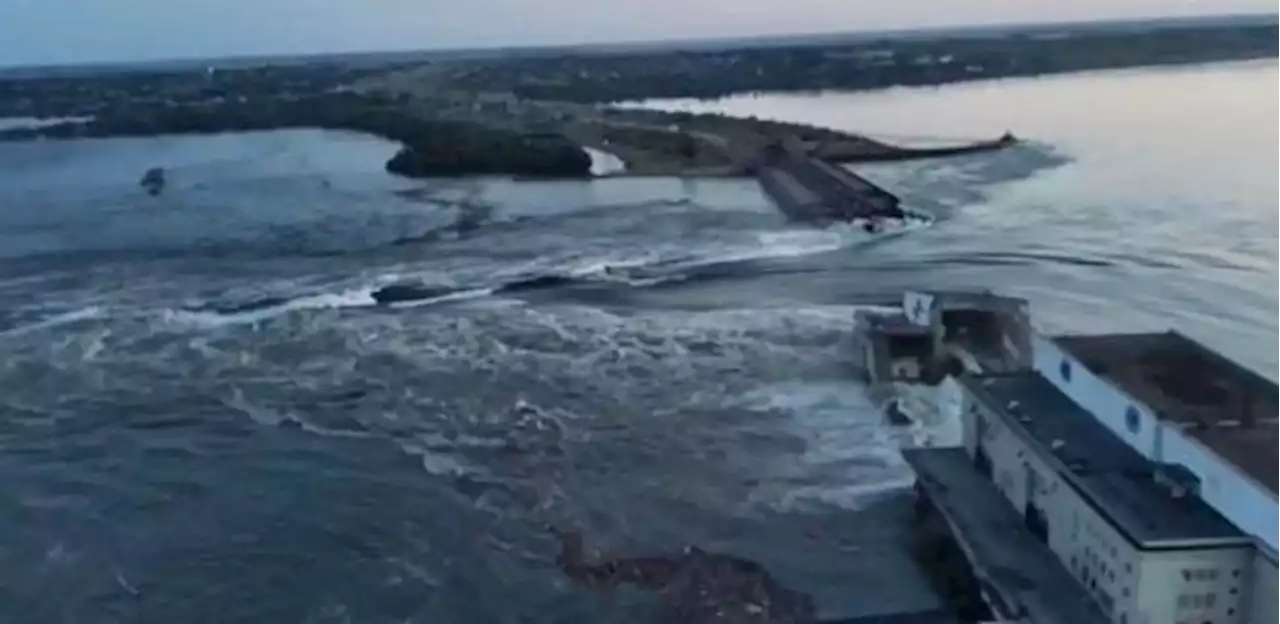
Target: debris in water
153	181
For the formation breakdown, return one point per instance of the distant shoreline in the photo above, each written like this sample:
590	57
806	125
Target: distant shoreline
429	147
416	56
538	115
1261	60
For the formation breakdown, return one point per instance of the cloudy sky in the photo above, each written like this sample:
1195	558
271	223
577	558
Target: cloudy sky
69	31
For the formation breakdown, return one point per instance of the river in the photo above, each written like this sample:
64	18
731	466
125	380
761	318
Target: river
206	418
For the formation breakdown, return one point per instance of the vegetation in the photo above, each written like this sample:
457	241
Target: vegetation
471	116
671	144
862	65
483	151
432	147
59	94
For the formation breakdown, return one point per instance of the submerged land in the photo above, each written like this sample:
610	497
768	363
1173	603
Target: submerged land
529	112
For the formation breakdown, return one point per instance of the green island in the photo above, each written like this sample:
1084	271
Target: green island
530	112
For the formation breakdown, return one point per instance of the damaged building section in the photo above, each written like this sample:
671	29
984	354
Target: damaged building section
942	333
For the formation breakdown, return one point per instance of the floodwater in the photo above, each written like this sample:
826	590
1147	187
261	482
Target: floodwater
205	417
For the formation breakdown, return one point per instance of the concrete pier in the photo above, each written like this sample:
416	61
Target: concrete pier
811	190
1020	579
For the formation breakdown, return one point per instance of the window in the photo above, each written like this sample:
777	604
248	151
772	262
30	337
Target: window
1200	574
1064	369
1197	601
1132	419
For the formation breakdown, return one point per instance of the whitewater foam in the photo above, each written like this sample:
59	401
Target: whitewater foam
850	458
459	295
805	242
58	320
199	318
269	417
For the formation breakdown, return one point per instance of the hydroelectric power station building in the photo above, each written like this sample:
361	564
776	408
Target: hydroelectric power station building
1101	478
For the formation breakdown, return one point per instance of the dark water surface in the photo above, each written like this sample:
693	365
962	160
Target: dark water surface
205	418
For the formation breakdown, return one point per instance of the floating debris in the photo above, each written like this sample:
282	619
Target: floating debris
153	181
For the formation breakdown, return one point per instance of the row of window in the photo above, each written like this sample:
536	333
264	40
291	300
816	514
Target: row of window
1199	574
1197	601
1193	602
1205	574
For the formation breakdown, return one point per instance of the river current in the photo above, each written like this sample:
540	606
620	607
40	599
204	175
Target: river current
204	417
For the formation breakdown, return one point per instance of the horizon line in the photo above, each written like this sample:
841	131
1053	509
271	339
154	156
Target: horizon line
654	44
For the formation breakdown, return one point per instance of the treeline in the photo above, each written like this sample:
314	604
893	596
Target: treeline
85	93
431	147
867	65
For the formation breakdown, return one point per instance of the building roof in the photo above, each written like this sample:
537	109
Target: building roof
1225	406
1112	477
1021	579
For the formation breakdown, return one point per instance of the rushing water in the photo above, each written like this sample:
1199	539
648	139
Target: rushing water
206	418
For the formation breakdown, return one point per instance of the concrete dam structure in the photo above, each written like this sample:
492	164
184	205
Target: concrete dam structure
812	190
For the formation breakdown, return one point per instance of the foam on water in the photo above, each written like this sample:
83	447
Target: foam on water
57	320
850	457
934	412
272	417
603	268
793	243
460	295
357	298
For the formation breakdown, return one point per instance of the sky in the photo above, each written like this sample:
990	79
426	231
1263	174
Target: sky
38	32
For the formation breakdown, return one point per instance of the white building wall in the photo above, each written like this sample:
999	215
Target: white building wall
1246	503
1132	586
1096	554
1249	505
1263	591
1107	403
1008	454
1196	586
1100	558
